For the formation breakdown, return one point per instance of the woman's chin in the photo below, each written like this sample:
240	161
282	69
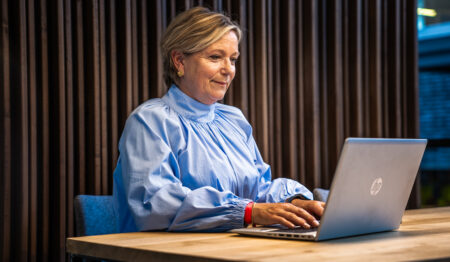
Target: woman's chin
219	97
215	96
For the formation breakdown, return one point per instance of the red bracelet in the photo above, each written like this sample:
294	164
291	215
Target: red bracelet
248	214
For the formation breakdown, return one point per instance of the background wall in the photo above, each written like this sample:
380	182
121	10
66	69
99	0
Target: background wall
311	73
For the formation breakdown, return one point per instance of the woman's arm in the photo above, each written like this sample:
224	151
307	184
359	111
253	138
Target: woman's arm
155	196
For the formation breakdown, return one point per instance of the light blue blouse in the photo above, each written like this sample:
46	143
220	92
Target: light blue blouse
187	166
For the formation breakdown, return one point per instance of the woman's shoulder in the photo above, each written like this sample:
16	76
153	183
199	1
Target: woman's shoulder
230	111
153	121
154	116
235	116
151	108
153	113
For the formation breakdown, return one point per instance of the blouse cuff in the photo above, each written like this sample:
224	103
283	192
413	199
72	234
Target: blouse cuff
297	196
237	214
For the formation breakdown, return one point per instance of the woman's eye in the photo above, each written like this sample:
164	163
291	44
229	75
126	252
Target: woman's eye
214	57
233	60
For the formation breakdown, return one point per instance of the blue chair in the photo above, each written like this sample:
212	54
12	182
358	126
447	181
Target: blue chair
321	194
94	215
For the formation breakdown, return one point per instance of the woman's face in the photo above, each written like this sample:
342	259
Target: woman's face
208	73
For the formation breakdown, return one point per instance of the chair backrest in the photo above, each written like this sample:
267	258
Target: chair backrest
321	194
94	215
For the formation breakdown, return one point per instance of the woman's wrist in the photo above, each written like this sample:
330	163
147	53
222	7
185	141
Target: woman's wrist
248	218
294	197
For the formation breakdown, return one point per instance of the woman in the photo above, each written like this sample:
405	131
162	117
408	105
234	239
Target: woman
188	163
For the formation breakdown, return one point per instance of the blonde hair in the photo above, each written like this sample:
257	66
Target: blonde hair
190	32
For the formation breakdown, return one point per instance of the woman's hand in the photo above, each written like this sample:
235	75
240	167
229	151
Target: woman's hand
288	214
313	207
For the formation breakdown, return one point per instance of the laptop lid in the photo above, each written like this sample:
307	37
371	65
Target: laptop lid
371	186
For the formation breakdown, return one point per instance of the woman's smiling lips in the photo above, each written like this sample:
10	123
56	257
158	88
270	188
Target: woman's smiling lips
220	82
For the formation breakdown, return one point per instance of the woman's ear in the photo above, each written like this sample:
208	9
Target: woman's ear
178	60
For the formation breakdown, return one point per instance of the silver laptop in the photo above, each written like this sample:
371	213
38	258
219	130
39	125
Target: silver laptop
369	193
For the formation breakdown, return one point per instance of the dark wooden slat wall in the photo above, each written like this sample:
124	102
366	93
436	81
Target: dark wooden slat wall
32	104
311	73
44	205
5	135
21	222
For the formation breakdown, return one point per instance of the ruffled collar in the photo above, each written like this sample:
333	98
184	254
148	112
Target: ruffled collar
187	106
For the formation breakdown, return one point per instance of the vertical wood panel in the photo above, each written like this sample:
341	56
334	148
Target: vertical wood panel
80	169
241	80
396	38
404	61
68	56
374	74
134	56
128	59
384	67
312	112
5	136
144	54
325	70
289	89
260	55
61	149
270	87
32	104
103	99
365	67
300	95
335	81
217	5
157	86
345	67
171	10
355	99
94	158
44	189
229	97
251	65
22	193
113	100
279	167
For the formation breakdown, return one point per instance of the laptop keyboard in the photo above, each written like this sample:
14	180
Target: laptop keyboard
296	230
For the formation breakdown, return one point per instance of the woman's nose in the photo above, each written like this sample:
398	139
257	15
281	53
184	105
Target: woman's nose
227	66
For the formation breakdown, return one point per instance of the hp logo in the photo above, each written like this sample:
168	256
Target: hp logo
376	186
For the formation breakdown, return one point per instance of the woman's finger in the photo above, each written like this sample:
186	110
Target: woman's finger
304	214
315	208
295	219
283	221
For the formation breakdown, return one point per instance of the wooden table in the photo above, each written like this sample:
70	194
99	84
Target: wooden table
424	234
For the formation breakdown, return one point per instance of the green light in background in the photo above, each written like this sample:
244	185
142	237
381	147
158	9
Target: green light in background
426	12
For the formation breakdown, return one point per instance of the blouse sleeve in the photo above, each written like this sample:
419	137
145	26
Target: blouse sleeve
279	189
155	196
